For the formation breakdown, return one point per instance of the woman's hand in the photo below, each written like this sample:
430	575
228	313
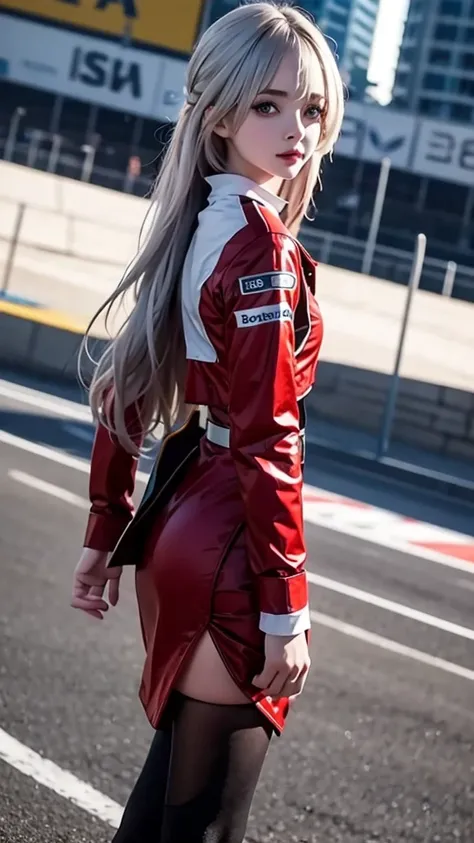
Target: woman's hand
286	666
91	576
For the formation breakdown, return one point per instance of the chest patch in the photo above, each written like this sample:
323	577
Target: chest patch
267	281
261	315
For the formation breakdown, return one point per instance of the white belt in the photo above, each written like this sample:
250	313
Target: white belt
219	435
216	433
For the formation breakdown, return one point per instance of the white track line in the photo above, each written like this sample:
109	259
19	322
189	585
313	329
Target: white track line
49	489
51	454
391	606
60	781
51	403
316	579
86	435
43	401
391	646
43	451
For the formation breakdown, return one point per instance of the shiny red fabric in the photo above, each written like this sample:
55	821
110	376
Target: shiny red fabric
197	577
111	483
229	544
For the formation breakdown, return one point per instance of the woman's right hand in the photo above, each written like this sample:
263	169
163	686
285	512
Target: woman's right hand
286	667
91	576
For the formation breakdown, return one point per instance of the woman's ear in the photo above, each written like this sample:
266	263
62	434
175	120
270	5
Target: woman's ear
222	129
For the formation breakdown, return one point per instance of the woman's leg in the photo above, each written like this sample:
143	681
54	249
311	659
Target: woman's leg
143	815
217	755
205	676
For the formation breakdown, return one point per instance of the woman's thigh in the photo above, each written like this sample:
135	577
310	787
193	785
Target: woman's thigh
206	678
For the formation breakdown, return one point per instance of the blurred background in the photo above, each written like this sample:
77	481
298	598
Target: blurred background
381	744
90	90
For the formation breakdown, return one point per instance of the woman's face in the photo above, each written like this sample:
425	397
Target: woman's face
282	129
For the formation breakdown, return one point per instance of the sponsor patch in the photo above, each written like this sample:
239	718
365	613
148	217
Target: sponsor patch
261	315
267	281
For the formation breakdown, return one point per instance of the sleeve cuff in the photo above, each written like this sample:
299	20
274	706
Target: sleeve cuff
280	595
290	624
104	531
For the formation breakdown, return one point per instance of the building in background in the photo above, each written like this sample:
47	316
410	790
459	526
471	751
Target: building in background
388	37
435	75
351	24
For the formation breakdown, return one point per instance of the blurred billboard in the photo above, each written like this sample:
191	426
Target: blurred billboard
170	25
426	147
149	84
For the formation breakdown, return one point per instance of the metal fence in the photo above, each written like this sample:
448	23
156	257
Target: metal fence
390	264
86	162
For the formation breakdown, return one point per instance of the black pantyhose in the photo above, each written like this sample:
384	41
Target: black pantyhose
199	778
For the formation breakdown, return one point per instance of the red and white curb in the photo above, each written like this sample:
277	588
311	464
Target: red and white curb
361	520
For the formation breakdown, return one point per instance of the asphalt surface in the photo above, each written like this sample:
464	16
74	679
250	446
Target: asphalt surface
379	747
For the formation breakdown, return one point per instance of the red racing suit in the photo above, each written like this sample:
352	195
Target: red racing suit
220	544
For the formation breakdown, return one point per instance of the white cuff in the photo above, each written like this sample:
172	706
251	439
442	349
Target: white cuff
289	624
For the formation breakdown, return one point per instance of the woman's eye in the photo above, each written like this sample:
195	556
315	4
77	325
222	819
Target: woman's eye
264	108
314	112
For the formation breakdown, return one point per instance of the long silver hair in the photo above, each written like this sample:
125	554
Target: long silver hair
144	364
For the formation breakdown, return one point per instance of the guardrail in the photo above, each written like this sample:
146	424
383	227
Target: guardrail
388	263
76	161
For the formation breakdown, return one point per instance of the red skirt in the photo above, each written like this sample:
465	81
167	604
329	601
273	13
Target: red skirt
194	576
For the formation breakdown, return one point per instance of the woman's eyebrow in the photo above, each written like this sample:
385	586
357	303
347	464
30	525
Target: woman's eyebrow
275	92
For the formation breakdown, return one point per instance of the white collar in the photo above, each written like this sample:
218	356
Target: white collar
231	184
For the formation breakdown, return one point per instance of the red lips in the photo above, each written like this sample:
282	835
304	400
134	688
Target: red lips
291	155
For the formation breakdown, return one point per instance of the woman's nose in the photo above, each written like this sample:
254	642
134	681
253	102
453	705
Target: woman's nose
295	131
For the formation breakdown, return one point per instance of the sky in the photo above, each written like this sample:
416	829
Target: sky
388	35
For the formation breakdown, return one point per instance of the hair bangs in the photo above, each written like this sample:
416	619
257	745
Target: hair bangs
308	61
260	64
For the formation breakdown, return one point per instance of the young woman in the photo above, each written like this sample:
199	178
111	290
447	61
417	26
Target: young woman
221	347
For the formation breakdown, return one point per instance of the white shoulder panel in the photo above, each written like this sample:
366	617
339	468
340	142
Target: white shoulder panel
217	224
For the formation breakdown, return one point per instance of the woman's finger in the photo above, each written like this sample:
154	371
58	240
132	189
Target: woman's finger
88	609
97	615
97	590
90	579
266	677
114	591
295	687
84	589
275	689
294	683
89	603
